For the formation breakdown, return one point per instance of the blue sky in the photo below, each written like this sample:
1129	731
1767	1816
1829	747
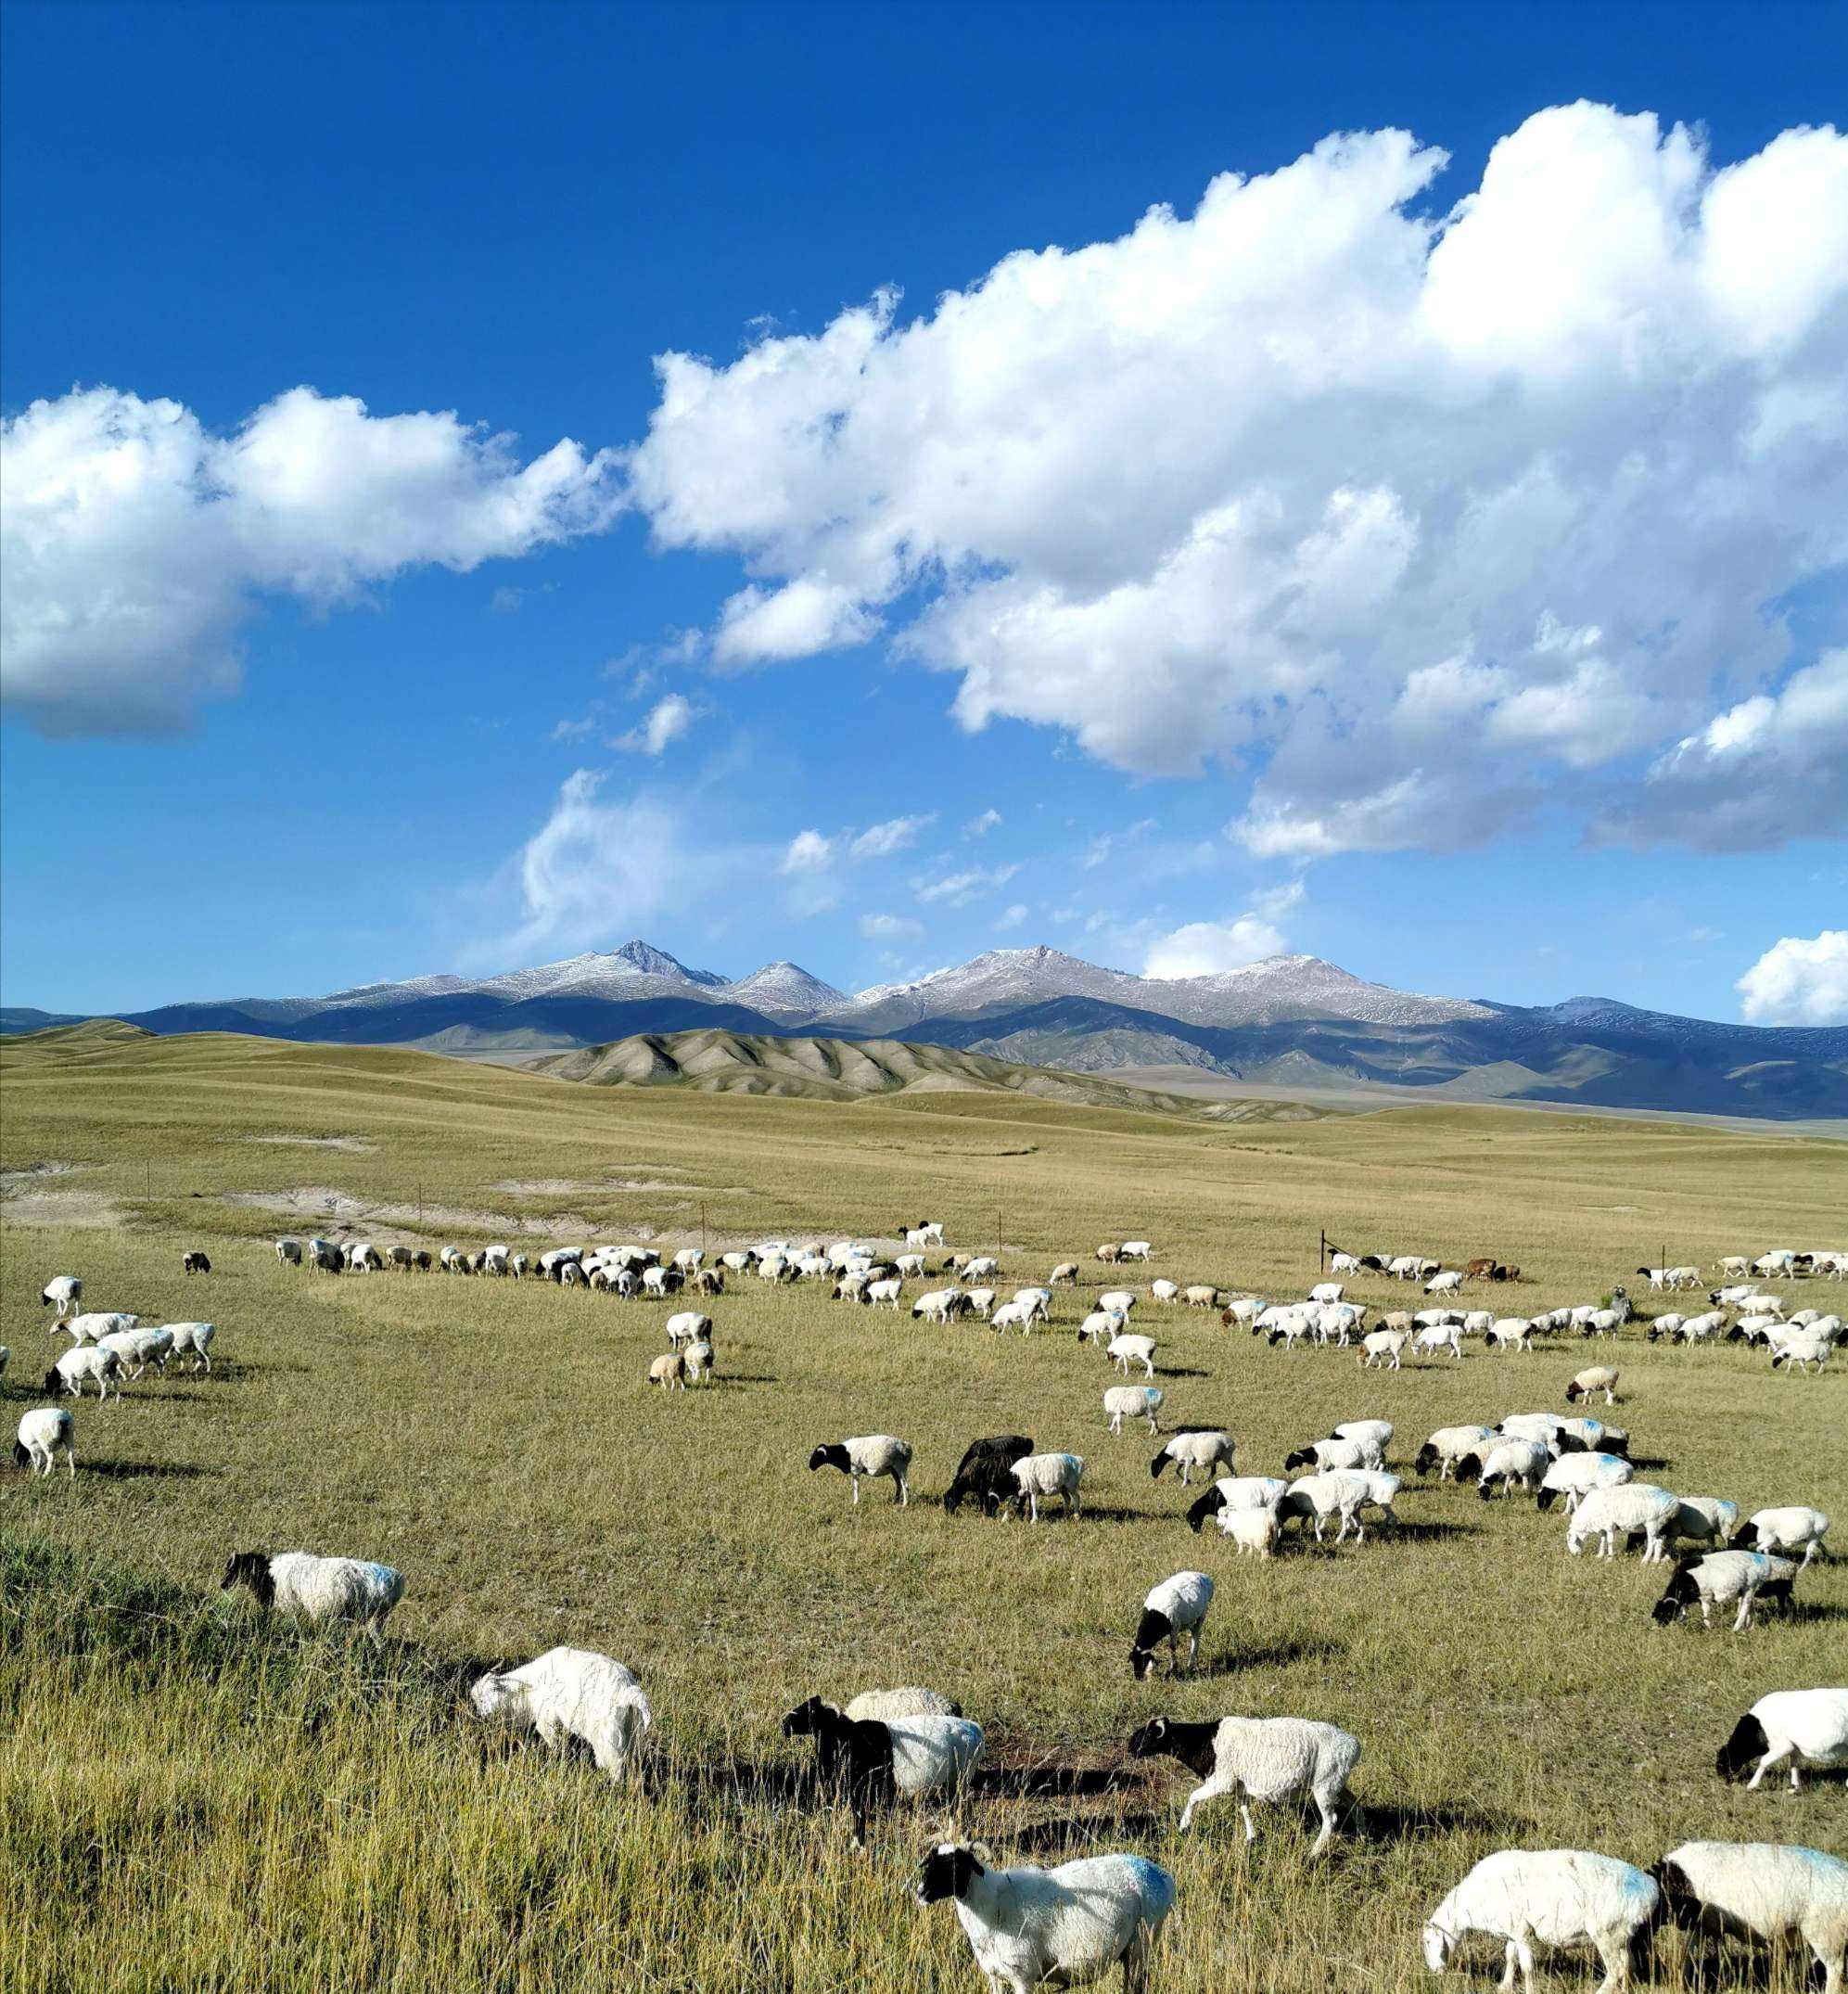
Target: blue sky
1455	592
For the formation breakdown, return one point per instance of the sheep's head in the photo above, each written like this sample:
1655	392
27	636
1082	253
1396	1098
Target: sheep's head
493	1694
1437	1947
1304	1457
830	1455
1151	1740
250	1568
811	1718
947	1872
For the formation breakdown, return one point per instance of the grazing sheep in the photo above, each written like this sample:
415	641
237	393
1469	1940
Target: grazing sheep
1256	1758
688	1326
194	1262
1118	1301
43	1433
1109	1254
136	1348
870	1455
571	1692
1340	1492
1450	1445
1198	1296
327	1258
872	1760
1127	1350
885	1706
1164	1292
1790	1530
95	1325
288	1253
62	1292
1592	1437
1175	1608
1098	1325
1704	1520
1559	1896
698	1355
1446	1284
1047	1474
1719	1578
1622	1511
1382	1343
320	1591
669	1371
1599	1378
1438	1336
1575	1476
1807	1348
939	1306
980	1300
1138	1249
85	1361
1344	1263
1233	1493
1506	1461
985	1472
1063	1927
1769	1890
1065	1274
1133	1401
1195	1447
1011	1315
1808	1726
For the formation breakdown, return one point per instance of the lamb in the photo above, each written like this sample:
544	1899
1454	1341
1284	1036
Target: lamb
63	1292
1447	1446
1047	1474
1164	1292
1791	1529
874	1759
1175	1608
194	1262
1808	1726
1132	1401
571	1692
984	1473
1770	1890
1198	1294
1328	1291
1254	1532
870	1455
689	1327
1559	1896
1197	1446
1382	1343
1128	1350
85	1361
1236	1494
886	1706
1446	1284
1575	1476
1506	1461
1621	1510
669	1371
1599	1378
1011	1315
319	1591
1066	1273
44	1432
1118	1301
288	1253
1719	1578
1440	1336
1257	1759
1063	1927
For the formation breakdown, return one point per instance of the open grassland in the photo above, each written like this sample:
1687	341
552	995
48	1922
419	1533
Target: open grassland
189	1799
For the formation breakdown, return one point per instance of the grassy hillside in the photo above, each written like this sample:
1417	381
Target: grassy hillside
189	1800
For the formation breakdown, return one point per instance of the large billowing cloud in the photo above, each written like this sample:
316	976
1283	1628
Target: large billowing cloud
136	543
1800	981
1422	516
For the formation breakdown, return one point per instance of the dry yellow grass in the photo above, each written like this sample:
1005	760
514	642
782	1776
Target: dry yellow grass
192	1801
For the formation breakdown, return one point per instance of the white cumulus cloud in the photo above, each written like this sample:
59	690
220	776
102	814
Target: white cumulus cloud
1799	981
897	834
808	851
1012	917
959	888
666	722
1316	481
889	926
137	544
1207	948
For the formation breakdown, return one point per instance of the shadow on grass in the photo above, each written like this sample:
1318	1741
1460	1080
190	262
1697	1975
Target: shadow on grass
1174	1371
136	1471
1051	1781
1056	1837
744	1377
1275	1654
1392	1824
1426	1533
741	1782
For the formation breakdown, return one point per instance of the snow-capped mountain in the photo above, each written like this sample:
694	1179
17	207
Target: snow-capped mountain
1289	1019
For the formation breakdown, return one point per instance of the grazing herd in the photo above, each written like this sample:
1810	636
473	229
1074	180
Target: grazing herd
1069	1925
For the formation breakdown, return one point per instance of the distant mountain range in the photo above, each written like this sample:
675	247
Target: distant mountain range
1292	1020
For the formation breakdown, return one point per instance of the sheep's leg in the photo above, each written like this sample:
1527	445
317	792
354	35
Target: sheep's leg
1325	1806
1744	1619
853	1476
1507	1980
1615	1954
904	1492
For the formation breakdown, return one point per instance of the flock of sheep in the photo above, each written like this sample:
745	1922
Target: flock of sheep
1068	1925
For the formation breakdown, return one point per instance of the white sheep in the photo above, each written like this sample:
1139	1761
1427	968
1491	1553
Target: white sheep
1704	1520
1575	1476
1444	1283
1177	1606
871	1454
1511	1333
1613	1512
1344	1263
1559	1896
1806	1727
1505	1459
1254	1532
288	1253
1127	1350
93	1327
136	1348
688	1326
1067	1272
1774	1890
1808	1346
85	1361
1236	1492
1136	1250
1339	1492
1450	1445
669	1371
571	1692
1381	1345
1064	1927
1257	1759
1202	1447
320	1591
1037	1302
888	1706
62	1292
980	1267
1438	1336
1326	1291
1587	1383
1164	1292
1321	1456
1789	1530
1132	1401
1118	1301
1719	1578
885	1294
1047	1474
44	1432
939	1305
